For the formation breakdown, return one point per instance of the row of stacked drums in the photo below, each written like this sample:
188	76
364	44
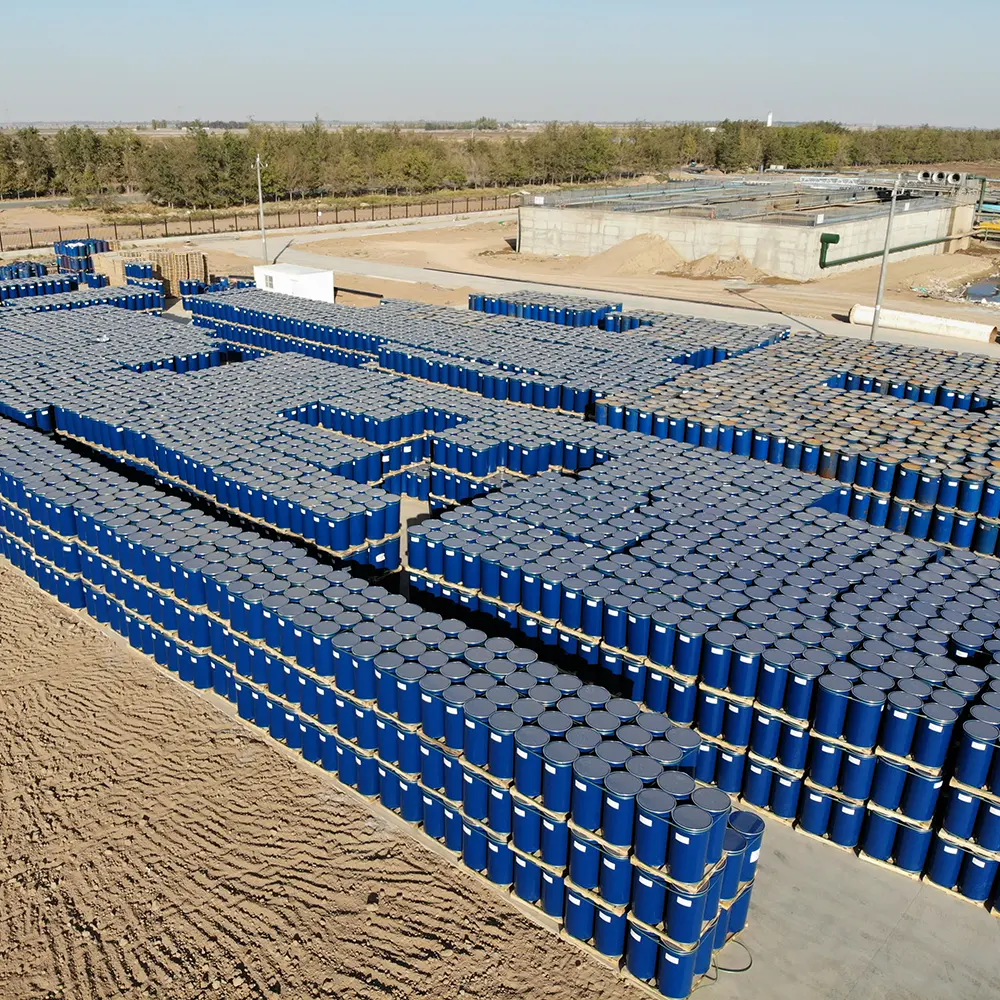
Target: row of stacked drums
872	711
957	506
389	682
18	270
545	309
32	287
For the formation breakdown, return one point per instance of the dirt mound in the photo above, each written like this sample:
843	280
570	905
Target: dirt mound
641	255
156	849
712	266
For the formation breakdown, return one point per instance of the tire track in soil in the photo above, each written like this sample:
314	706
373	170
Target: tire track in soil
151	846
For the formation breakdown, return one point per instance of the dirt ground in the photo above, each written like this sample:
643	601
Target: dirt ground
31	217
647	265
153	847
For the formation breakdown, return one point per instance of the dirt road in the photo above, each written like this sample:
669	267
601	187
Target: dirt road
151	846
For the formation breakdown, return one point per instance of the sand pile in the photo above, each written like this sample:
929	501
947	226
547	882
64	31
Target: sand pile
712	266
641	255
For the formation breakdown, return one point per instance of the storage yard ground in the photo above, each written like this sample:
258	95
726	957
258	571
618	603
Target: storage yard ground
155	847
451	255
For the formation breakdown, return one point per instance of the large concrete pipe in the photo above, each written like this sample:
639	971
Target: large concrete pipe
940	177
938	326
925	176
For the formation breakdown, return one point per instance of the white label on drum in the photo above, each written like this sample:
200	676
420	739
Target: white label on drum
755	856
645	820
683	902
681	839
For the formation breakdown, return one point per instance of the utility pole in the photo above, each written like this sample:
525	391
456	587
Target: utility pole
885	260
260	202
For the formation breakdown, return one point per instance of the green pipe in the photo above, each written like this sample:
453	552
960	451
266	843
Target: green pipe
827	239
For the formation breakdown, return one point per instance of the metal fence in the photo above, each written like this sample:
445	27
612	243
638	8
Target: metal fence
248	221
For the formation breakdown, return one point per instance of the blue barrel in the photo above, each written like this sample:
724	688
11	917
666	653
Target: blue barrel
944	864
615	880
654	808
585	862
864	716
690	833
684	914
609	933
477	731
734	848
960	815
718	805
618	813
879	836
751	827
977	877
988	827
911	847
641	949
857	773
675	970
888	784
553	894
530	742
974	756
846	821
920	796
814	812
580	914
557	776
527	879
899	725
649	897
589	774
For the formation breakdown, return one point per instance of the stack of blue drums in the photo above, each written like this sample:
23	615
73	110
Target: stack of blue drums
584	805
20	269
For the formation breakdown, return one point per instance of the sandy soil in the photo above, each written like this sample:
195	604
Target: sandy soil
152	846
648	265
29	217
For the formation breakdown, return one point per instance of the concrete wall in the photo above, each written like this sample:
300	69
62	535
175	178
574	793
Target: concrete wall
785	251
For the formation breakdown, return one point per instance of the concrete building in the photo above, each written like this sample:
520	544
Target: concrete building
775	225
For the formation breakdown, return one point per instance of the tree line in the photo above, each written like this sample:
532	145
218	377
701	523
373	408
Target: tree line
214	170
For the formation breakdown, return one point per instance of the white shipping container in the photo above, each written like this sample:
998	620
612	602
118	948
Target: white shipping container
292	279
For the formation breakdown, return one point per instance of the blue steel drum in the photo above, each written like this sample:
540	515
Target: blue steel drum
977	877
879	836
857	773
718	805
641	949
785	792
888	784
609	933
580	914
530	743
944	864
618	814
911	847
675	970
615	882
864	716
553	894
557	775
987	832
899	724
584	862
814	813
920	796
690	834
974	756
961	814
846	821
654	807
684	914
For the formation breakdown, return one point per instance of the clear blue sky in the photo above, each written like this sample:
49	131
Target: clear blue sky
890	61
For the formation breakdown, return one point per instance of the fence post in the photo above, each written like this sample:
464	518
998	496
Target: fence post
165	233
494	203
31	239
1	242
115	224
480	203
300	216
279	218
190	227
142	234
60	233
407	207
236	221
213	223
373	211
355	213
88	230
